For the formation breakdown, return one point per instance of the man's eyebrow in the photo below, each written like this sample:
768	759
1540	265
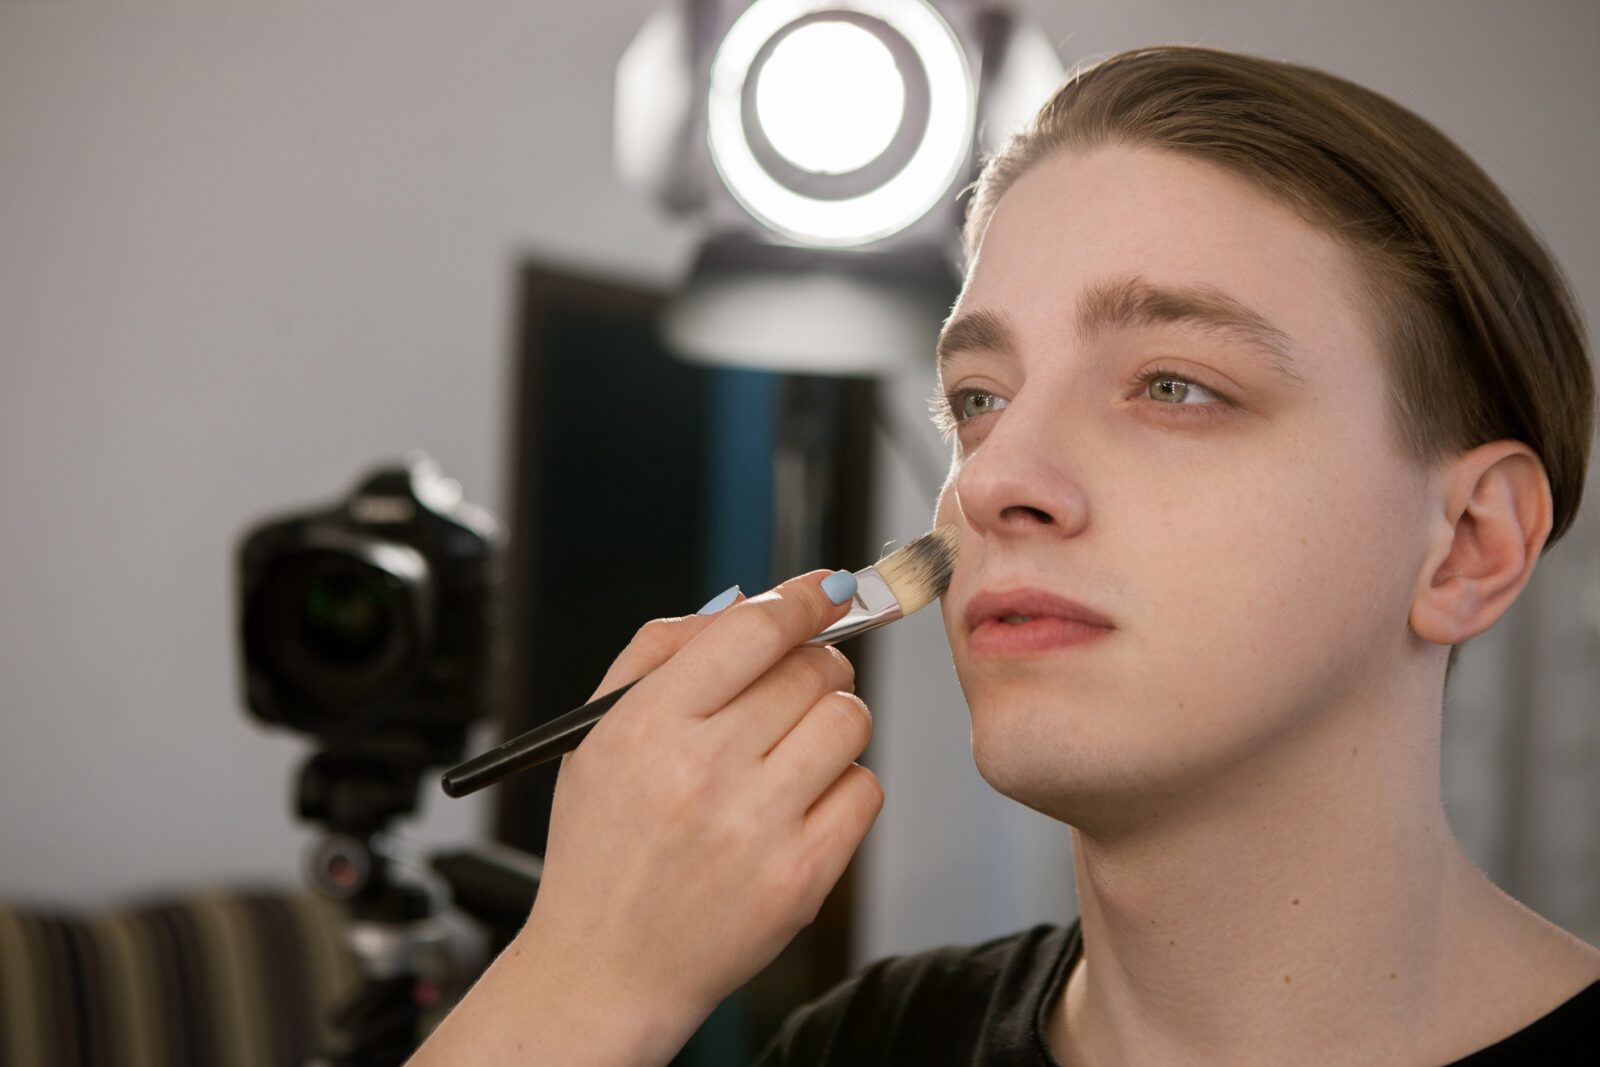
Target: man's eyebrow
976	331
1135	302
1128	302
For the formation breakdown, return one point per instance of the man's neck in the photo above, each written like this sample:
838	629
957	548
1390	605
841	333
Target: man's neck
1311	906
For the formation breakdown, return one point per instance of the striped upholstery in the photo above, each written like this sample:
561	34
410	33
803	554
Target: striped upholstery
219	979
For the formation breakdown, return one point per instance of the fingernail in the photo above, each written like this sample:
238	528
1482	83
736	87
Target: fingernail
840	586
720	601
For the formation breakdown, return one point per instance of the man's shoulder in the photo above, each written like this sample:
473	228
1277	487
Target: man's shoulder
974	966
1533	996
949	997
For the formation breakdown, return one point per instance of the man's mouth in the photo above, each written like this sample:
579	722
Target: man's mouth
1017	607
1028	622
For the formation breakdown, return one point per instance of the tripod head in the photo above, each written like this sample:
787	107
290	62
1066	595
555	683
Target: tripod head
408	967
354	794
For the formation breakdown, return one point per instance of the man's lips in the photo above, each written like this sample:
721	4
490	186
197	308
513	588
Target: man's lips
1030	603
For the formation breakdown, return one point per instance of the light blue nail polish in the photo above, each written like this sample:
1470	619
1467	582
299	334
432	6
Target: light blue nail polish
720	601
840	586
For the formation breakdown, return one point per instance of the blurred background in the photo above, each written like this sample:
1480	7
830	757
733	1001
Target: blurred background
249	253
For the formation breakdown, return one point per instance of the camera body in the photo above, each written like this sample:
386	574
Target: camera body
373	624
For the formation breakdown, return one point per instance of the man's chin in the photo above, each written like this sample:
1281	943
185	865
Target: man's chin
1093	777
1094	807
1050	775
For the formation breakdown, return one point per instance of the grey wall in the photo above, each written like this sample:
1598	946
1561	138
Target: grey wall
245	252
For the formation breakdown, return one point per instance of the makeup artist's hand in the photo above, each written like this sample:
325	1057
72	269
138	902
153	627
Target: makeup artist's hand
701	823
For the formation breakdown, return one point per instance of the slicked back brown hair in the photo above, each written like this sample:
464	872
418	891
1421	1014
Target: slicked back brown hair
1480	335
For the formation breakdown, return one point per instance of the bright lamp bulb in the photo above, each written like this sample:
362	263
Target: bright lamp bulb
830	98
938	156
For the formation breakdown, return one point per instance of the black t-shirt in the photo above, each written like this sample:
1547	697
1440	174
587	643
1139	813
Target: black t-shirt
988	1005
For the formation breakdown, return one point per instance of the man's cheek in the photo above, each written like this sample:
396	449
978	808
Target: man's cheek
1215	575
945	508
947	511
1266	583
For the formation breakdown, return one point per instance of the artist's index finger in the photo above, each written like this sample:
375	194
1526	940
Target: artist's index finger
748	638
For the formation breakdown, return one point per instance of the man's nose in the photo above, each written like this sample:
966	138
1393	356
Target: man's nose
1022	477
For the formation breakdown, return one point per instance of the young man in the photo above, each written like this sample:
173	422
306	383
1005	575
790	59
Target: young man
1262	400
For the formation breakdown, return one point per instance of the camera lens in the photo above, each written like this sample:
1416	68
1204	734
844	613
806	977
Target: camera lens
346	619
339	628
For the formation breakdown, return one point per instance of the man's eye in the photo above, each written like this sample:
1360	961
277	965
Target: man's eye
1174	390
951	409
970	403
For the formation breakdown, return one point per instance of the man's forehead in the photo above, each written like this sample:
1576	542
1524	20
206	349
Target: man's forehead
1119	235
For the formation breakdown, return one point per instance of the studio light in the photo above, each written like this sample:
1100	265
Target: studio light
840	130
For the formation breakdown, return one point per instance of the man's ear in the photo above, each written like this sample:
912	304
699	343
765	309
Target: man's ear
1494	515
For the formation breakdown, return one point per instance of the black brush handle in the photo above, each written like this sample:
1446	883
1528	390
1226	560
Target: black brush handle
539	745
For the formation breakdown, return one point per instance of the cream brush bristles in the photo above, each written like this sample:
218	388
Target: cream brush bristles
903	582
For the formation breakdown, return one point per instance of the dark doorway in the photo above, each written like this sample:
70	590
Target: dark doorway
643	485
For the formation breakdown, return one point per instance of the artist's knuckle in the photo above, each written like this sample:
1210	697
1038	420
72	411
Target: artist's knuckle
767	628
686	784
868	787
848	720
655	640
631	728
811	670
844	672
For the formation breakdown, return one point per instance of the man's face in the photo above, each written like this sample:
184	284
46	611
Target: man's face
1253	536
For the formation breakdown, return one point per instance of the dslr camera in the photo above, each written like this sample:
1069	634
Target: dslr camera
372	624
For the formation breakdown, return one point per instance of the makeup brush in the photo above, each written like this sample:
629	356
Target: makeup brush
892	588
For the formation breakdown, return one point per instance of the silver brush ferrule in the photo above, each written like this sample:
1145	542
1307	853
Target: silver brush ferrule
874	605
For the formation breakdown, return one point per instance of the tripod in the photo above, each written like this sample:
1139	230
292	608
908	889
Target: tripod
401	948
